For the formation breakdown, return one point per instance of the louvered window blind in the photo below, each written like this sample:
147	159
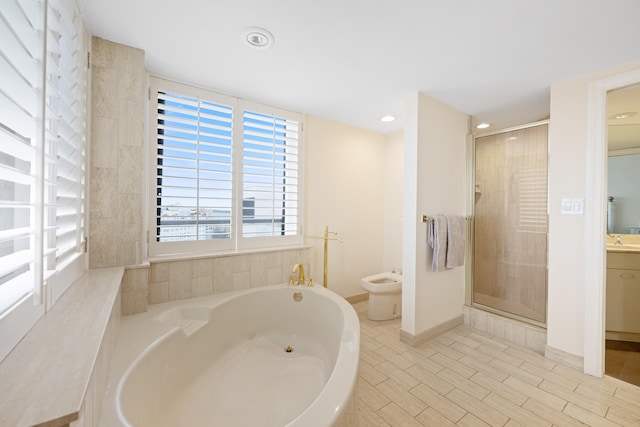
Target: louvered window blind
65	136
42	145
269	175
20	157
194	169
227	172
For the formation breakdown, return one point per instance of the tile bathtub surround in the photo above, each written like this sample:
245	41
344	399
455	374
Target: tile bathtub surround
466	377
165	281
117	153
56	375
135	289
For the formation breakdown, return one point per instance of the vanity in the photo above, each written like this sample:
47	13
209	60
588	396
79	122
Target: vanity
623	291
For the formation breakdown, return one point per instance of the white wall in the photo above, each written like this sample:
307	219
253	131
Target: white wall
434	182
392	189
623	178
344	189
567	178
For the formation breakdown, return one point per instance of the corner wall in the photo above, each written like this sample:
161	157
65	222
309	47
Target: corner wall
392	188
116	161
434	183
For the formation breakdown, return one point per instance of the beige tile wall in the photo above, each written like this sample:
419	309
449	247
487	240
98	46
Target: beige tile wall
174	280
520	333
91	409
117	157
511	223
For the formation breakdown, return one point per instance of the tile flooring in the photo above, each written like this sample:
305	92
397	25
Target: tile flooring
464	377
622	361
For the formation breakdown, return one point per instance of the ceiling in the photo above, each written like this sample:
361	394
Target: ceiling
353	61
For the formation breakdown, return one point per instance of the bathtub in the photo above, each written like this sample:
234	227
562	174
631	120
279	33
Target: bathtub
247	358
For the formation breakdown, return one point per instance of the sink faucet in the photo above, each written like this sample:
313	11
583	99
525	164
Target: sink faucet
300	269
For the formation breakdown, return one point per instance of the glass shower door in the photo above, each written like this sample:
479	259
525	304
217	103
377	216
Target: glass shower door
511	222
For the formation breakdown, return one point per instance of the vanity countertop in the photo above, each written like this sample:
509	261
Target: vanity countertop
630	243
626	247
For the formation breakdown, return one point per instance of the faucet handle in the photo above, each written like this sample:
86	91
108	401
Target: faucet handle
292	280
309	282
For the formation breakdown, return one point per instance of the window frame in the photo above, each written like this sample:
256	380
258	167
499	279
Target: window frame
236	243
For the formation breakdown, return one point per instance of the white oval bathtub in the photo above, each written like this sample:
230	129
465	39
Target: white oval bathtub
225	362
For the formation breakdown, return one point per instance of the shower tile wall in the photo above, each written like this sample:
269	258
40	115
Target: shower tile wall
175	280
511	222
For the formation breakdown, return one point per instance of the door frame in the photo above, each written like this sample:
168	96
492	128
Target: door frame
471	186
595	218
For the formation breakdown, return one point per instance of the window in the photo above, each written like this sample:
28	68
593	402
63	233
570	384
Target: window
42	157
227	172
269	175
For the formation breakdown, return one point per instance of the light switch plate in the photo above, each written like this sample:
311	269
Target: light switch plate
571	206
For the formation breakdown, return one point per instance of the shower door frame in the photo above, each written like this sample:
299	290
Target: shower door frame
470	266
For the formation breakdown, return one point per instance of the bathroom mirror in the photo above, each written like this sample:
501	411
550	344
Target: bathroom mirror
623	110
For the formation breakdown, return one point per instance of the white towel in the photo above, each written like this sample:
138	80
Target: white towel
437	239
456	240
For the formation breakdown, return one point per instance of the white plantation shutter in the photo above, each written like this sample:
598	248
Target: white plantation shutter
42	156
65	139
222	180
194	167
19	157
270	164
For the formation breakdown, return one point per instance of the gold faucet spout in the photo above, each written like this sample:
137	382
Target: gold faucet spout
300	270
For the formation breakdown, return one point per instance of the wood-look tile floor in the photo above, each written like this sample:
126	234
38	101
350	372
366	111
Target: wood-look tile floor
464	377
622	361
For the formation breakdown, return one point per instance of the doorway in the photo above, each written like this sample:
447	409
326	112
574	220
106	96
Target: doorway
622	320
511	223
595	218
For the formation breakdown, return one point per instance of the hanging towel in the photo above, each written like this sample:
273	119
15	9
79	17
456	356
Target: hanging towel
437	239
456	240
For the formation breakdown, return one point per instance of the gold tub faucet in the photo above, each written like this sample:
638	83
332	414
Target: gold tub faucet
300	270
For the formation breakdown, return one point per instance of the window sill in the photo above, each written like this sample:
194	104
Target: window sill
46	377
201	255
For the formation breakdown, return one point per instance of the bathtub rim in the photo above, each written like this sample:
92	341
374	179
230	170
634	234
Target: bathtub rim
338	391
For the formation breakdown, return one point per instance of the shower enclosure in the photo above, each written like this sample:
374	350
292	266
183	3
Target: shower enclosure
511	222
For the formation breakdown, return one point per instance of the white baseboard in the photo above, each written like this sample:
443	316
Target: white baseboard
423	336
563	357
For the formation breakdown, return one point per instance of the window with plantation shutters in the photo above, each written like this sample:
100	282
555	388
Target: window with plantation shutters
269	175
42	146
227	172
20	157
65	136
194	169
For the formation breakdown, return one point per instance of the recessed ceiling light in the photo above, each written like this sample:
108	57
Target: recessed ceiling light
387	119
483	125
621	116
257	38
